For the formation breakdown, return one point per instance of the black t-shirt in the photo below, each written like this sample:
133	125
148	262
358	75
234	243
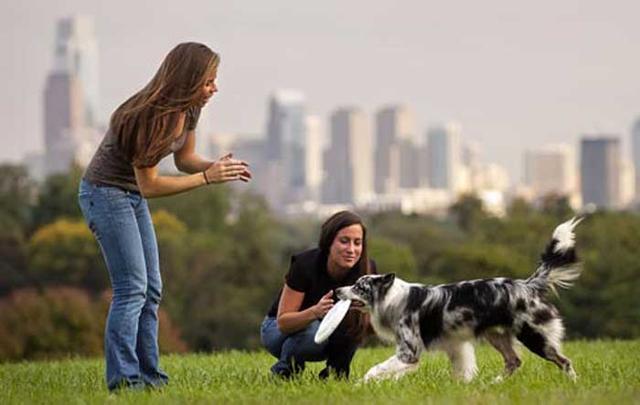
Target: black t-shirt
308	274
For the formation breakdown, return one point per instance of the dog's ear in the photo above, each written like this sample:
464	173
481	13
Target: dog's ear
387	279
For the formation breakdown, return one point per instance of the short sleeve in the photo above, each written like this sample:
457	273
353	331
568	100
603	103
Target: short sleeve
297	278
193	115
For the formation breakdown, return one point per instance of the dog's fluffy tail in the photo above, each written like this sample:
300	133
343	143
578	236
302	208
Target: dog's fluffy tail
559	266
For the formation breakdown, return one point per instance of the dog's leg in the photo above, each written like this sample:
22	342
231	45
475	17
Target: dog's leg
409	347
544	341
503	343
392	367
463	360
553	354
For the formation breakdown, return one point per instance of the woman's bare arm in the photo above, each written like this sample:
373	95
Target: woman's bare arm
291	319
187	160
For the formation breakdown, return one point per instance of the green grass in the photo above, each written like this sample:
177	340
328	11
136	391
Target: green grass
608	373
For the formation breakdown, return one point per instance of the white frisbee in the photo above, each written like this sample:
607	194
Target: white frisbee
331	320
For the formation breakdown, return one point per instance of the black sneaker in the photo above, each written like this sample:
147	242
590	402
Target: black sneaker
338	373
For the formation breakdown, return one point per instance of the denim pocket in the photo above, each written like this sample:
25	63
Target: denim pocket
85	189
114	193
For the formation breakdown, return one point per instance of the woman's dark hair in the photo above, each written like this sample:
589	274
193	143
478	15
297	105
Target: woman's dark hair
330	229
356	323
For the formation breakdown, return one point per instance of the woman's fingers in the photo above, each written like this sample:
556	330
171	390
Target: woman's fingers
230	169
240	170
231	164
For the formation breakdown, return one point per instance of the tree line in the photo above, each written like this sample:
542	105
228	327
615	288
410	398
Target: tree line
224	254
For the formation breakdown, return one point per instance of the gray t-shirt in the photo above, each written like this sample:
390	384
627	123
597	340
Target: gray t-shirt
110	165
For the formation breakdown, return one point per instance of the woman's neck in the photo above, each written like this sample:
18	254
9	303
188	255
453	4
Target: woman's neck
336	272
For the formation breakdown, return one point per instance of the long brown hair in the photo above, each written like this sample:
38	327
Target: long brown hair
356	323
145	124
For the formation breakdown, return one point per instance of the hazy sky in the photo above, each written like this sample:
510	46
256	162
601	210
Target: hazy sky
514	74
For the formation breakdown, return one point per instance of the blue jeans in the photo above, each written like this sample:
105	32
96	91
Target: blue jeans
293	350
121	223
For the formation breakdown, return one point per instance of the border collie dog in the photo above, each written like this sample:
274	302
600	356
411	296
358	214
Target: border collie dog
449	317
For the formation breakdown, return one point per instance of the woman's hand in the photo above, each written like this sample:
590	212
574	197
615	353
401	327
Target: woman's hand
324	305
227	169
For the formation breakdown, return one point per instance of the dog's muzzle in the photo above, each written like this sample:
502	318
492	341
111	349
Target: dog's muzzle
342	293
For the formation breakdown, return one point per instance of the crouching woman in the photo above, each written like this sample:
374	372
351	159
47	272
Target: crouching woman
289	328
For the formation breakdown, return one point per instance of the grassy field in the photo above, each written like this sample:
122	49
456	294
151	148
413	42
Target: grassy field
608	372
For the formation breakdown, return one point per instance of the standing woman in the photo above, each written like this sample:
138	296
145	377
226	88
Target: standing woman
156	121
289	328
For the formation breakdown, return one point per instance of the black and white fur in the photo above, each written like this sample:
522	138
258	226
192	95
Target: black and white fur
450	316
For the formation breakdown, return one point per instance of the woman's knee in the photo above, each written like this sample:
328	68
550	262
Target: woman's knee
271	337
303	342
154	293
131	293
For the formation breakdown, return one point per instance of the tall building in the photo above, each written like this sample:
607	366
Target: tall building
248	147
600	171
396	163
635	154
71	97
550	170
313	158
76	53
348	161
444	156
64	125
286	143
627	182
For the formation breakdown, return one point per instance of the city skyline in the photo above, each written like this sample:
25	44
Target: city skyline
514	77
410	172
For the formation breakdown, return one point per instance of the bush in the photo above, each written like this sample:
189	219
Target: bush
54	323
66	253
62	321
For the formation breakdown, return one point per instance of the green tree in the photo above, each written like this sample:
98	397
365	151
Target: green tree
58	197
62	321
468	212
57	322
205	209
392	257
17	193
234	275
478	260
603	301
66	253
557	206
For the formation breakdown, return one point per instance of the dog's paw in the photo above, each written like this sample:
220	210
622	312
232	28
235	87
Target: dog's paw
372	375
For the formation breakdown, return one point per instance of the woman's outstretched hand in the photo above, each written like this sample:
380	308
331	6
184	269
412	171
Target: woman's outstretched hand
228	169
324	305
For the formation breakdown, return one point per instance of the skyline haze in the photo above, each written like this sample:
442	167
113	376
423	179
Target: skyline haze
514	77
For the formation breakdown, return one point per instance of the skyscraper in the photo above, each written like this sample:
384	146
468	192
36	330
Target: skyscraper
550	170
348	162
600	171
76	53
63	121
71	97
444	156
635	153
286	147
396	163
313	158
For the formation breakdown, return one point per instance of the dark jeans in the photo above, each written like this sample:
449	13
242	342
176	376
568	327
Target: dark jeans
293	350
121	222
